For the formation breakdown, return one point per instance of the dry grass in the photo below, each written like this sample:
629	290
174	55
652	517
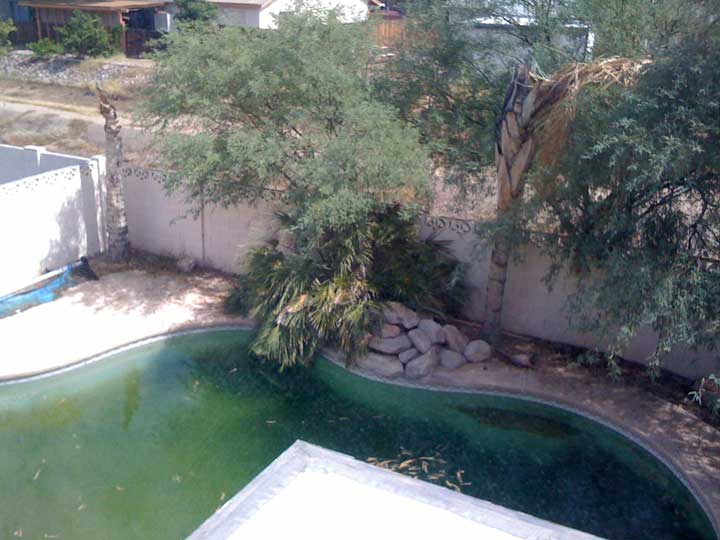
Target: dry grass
91	65
115	88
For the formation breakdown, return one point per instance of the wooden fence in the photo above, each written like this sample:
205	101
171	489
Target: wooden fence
389	32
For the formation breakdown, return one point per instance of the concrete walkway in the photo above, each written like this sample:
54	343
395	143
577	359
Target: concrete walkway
129	306
98	316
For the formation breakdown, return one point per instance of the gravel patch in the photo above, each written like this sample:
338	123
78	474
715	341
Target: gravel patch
68	70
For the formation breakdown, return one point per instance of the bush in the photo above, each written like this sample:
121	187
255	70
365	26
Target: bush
331	296
85	35
6	28
45	48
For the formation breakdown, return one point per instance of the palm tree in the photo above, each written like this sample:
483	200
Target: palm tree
116	223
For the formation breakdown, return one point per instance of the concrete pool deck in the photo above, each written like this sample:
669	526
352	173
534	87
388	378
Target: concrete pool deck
131	306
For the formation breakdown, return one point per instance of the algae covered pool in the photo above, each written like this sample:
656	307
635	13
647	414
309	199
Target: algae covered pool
149	442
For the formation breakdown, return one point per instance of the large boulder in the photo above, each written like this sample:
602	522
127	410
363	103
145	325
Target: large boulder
423	365
381	364
454	339
408	355
451	359
390	330
433	330
478	351
420	340
396	313
390	345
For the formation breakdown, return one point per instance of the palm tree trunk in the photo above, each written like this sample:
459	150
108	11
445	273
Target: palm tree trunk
514	149
117	228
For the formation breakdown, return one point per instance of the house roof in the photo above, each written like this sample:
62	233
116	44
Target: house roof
93	5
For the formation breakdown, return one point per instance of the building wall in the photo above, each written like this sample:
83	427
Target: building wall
49	219
229	15
354	10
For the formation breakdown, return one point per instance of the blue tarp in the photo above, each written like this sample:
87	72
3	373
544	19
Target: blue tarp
10	305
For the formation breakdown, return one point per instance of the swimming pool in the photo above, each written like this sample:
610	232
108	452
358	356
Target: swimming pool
150	441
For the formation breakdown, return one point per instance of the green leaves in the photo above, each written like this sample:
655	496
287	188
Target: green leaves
7	27
85	35
637	202
331	295
240	112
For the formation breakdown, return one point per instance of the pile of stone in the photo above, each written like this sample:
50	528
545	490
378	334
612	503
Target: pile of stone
409	346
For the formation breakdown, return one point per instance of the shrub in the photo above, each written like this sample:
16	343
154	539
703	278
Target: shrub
85	35
45	48
6	28
331	296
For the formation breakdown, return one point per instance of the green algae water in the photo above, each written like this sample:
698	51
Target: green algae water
148	443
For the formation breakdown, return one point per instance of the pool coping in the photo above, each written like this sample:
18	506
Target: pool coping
627	426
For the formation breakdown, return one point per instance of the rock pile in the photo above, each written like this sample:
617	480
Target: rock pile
414	347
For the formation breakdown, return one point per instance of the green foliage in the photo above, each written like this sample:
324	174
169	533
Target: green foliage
7	27
195	10
290	117
642	27
45	48
330	296
85	35
706	393
632	205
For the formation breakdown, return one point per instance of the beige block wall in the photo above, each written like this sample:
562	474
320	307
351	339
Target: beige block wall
216	237
220	237
531	309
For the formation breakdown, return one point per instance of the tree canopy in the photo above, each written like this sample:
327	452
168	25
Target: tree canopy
632	203
246	114
290	116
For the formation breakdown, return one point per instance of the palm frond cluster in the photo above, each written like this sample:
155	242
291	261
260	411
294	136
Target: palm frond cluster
333	294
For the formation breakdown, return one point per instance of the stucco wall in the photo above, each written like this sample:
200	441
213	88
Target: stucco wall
165	224
529	308
49	220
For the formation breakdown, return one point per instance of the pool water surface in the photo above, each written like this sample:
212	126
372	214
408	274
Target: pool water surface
149	442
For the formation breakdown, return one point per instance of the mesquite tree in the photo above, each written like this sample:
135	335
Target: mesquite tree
288	116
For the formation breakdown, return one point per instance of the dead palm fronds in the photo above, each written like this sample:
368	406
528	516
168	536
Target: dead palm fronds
534	124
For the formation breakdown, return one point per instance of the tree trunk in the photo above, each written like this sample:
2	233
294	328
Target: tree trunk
117	228
514	149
